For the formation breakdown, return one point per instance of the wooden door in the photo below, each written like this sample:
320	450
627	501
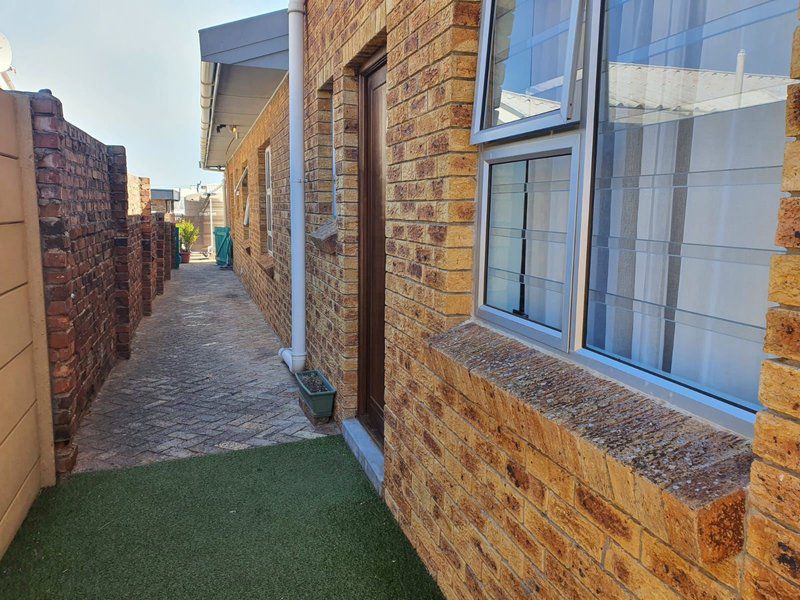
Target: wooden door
372	241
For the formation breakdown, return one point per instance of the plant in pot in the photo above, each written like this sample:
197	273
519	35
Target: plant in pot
317	393
189	234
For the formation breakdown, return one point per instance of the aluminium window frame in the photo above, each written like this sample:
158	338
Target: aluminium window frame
565	144
571	347
334	183
268	197
237	190
480	134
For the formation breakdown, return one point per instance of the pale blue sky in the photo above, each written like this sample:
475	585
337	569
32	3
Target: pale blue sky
127	72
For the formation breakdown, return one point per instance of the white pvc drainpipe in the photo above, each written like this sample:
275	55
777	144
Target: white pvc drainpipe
295	357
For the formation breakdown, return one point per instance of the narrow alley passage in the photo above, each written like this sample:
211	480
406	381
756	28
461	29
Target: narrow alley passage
204	377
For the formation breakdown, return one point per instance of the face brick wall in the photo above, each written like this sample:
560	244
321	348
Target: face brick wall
501	495
138	199
148	272
92	252
78	233
133	266
772	565
266	278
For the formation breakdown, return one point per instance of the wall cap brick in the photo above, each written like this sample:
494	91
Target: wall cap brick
678	476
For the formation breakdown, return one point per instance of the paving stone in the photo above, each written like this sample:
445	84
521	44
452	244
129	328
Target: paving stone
204	377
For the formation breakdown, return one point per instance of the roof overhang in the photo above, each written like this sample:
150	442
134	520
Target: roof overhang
242	64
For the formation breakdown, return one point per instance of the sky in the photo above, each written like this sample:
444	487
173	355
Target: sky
127	72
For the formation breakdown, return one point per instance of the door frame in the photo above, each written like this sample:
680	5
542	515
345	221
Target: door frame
369	67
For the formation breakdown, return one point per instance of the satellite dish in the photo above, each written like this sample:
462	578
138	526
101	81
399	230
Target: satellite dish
5	54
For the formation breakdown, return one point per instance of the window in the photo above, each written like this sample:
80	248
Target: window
687	186
531	199
242	196
640	242
333	160
269	244
527	82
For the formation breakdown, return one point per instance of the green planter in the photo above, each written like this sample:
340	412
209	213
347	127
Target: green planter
319	402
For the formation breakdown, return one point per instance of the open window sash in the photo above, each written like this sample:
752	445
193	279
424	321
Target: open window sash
559	116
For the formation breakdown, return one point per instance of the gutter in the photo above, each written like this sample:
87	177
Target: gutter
295	357
209	78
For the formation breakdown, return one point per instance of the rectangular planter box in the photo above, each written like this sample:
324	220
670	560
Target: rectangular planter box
320	403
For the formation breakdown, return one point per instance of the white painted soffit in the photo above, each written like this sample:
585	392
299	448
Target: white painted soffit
242	64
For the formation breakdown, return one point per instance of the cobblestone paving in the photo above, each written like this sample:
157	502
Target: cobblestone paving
203	377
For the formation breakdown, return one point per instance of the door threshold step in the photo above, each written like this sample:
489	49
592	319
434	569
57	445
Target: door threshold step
367	452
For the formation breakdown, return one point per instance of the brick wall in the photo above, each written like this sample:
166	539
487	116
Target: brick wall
137	186
78	235
341	37
138	202
773	524
148	248
134	268
502	495
91	256
123	234
266	278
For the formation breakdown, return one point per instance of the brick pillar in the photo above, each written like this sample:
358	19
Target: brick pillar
772	568
58	265
158	237
148	251
118	184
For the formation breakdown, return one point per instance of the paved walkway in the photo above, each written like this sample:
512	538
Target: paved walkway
204	377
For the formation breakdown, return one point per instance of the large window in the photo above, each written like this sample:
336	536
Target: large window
646	246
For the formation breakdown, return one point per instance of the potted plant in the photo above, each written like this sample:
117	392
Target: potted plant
317	392
189	234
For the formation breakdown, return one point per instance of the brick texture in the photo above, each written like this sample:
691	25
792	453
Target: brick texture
502	498
773	523
92	251
266	278
148	272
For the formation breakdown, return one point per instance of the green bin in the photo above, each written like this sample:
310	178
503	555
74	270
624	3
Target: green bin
223	246
176	247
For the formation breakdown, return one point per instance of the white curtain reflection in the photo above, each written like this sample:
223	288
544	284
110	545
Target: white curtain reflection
689	155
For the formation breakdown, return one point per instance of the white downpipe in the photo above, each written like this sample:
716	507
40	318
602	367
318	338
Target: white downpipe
295	357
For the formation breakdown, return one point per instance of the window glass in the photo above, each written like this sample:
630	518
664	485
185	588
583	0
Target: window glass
687	185
526	242
333	161
527	59
268	198
243	198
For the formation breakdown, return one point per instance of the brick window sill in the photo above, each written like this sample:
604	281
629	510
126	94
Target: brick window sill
643	465
324	237
267	264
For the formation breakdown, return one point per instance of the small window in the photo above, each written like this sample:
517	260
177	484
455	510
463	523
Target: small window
333	160
531	195
242	196
528	67
269	245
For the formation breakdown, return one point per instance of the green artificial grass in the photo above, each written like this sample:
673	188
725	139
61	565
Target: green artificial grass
292	521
